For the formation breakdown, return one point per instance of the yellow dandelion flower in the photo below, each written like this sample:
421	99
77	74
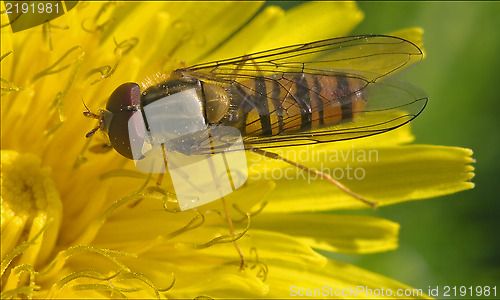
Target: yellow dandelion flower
81	224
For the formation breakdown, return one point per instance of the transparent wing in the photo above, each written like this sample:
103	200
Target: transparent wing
367	60
368	56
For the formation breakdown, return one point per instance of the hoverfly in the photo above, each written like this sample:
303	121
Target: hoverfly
295	95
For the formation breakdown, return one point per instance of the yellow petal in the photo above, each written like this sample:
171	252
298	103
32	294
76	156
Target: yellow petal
412	34
312	21
31	217
218	275
386	176
336	280
28	194
6	50
338	233
245	40
180	31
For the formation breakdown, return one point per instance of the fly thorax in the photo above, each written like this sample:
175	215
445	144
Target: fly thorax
174	115
216	102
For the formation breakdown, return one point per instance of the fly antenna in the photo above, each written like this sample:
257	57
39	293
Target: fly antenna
88	113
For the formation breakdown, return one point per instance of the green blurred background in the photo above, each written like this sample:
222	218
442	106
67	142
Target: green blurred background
452	240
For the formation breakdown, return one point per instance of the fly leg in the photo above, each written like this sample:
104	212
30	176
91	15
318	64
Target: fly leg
160	176
323	176
231	231
209	159
226	210
159	180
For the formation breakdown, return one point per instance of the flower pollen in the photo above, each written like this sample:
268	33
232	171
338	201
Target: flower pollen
31	211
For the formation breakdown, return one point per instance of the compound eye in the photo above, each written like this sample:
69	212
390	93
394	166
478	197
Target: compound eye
120	102
127	94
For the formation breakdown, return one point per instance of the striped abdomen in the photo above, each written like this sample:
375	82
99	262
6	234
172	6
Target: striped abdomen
298	102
